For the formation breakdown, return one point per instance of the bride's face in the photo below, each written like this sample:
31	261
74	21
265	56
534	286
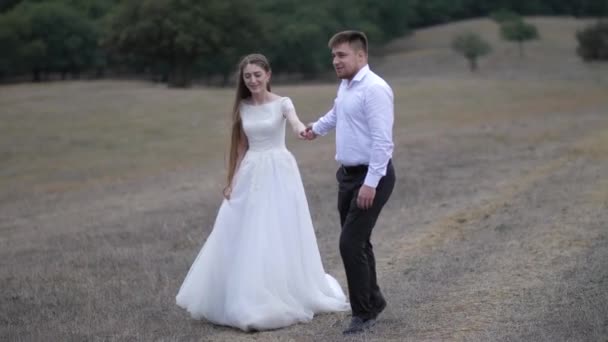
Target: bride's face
256	79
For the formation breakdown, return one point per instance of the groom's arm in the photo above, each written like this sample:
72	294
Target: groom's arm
328	121
325	123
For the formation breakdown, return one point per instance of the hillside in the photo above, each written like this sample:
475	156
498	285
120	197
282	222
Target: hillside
427	53
496	229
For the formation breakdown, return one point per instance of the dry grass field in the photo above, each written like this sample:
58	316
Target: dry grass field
497	229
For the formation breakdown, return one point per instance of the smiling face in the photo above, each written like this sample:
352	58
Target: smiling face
347	61
255	78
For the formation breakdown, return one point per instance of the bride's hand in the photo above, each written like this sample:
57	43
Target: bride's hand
227	192
302	134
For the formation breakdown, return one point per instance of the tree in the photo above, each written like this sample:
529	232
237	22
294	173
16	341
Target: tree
593	42
297	32
178	33
471	46
48	37
9	40
504	15
518	31
6	5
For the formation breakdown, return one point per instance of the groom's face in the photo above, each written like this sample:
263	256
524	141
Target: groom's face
347	61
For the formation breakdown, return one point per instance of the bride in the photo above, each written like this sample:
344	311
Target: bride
260	267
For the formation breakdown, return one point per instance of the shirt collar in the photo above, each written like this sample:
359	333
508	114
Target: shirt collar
359	76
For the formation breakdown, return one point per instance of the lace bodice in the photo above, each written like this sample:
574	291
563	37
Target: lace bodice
264	124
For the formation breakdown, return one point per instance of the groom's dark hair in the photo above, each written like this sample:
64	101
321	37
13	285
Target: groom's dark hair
356	39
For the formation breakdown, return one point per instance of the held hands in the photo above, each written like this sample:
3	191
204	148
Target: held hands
366	196
307	133
303	135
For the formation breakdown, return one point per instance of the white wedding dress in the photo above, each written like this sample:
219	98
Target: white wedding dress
260	267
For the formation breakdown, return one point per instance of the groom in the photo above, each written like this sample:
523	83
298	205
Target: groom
362	115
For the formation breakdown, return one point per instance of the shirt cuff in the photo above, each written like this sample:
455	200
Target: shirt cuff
315	129
372	180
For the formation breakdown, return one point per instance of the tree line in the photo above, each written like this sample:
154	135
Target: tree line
513	28
175	41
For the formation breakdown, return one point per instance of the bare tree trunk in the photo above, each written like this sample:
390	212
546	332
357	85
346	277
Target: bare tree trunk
521	49
473	64
181	75
99	72
36	75
76	73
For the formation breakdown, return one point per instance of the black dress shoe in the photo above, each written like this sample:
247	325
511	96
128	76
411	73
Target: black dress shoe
357	325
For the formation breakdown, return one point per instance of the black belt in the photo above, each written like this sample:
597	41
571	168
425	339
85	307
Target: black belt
354	170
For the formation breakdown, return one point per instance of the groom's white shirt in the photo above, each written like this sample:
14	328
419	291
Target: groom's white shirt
363	115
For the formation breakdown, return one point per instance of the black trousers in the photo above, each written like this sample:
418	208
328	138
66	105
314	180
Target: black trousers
355	246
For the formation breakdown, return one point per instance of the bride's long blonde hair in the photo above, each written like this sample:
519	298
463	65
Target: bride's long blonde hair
242	92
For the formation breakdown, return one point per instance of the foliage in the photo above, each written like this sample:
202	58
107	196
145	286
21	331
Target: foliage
518	31
179	32
504	15
176	40
471	46
593	42
47	37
